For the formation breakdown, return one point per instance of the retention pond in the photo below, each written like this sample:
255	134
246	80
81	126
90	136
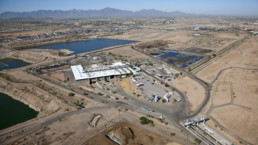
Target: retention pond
179	59
9	63
86	46
13	112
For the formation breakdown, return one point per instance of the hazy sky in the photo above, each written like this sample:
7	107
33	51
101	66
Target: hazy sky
224	7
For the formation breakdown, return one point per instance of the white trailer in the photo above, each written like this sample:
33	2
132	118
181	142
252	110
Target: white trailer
167	96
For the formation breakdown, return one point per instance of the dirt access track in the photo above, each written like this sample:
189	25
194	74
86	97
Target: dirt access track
129	135
233	104
194	91
59	122
73	128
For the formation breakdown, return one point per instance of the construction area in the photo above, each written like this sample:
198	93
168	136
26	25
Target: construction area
143	92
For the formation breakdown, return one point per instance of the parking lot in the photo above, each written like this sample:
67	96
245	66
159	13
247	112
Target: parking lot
149	88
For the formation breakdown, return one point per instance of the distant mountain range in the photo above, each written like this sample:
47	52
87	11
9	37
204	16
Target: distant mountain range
102	13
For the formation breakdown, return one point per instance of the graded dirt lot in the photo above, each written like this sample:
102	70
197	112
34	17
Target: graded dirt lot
34	55
129	135
193	91
59	76
74	128
146	35
180	39
239	120
234	93
214	40
128	86
128	53
243	56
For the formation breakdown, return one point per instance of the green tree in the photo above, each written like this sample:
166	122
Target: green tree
145	120
71	94
197	140
164	100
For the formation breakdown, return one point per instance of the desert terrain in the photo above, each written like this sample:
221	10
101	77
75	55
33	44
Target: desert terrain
227	82
234	91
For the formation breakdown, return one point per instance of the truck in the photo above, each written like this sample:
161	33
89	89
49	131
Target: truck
140	84
113	97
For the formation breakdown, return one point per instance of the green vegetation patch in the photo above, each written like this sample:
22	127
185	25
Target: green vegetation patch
71	94
145	120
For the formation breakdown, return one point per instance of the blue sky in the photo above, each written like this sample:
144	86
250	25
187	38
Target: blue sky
224	7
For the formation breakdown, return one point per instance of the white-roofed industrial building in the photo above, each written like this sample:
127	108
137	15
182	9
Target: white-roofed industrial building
91	75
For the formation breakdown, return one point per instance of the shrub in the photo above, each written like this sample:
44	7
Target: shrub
172	134
164	100
71	94
145	120
197	140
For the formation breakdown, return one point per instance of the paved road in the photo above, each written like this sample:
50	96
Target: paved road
230	103
173	114
198	66
221	71
204	84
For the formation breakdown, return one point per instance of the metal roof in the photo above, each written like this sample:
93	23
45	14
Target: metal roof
78	72
89	73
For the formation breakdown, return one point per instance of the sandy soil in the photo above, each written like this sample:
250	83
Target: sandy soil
129	134
128	53
221	93
40	95
244	86
31	95
238	87
182	39
194	92
154	44
244	56
59	76
241	121
222	132
128	86
74	129
145	35
195	95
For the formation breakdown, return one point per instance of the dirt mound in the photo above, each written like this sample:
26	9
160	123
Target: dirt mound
126	134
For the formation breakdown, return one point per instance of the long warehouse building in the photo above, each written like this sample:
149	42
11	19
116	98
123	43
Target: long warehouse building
91	75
